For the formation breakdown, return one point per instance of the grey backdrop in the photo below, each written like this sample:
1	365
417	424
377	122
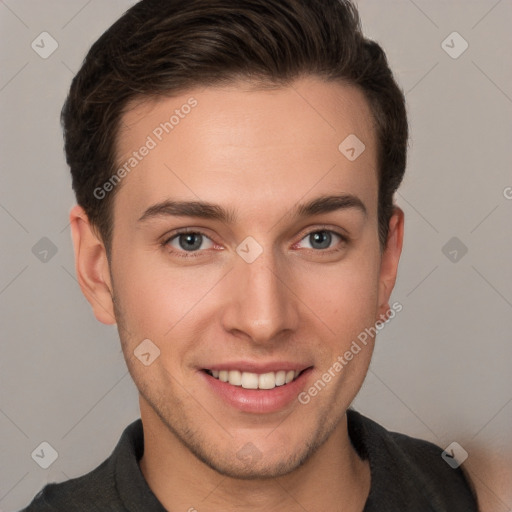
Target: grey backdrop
441	369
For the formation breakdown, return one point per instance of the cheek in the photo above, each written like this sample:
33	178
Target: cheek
155	296
347	304
344	295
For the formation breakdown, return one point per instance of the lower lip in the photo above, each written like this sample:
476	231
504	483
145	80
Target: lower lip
259	401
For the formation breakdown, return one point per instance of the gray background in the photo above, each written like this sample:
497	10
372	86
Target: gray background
441	369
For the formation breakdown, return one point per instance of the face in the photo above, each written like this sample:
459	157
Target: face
269	273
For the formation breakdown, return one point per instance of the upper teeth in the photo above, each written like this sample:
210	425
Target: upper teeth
250	380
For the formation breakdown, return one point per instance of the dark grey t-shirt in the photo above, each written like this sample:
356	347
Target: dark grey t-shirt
407	474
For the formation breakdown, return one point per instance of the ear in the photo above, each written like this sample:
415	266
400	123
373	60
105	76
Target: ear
92	267
389	261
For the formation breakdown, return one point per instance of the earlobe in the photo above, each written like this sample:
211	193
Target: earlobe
92	266
390	259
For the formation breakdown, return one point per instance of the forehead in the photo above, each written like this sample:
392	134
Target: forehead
252	148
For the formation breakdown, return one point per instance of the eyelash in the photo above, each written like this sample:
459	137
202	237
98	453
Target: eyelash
199	253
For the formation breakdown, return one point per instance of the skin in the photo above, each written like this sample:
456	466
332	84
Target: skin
256	152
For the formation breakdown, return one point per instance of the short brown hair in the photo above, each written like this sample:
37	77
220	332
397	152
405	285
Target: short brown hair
164	47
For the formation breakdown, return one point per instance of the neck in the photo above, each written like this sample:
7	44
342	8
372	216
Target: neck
333	478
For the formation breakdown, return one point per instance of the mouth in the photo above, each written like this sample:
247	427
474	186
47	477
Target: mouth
257	387
256	381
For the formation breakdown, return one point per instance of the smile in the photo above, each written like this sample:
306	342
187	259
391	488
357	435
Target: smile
249	380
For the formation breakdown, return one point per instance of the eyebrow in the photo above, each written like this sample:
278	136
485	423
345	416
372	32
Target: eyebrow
205	210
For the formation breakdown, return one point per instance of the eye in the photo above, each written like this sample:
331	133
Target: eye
189	241
322	239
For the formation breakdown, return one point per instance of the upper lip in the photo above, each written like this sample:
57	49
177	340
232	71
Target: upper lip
253	367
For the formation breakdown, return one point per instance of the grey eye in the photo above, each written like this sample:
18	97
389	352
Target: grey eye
189	242
321	239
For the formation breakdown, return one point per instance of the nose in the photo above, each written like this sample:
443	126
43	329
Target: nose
261	304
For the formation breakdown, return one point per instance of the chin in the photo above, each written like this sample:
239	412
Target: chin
256	468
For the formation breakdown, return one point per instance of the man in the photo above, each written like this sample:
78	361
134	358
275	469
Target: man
234	163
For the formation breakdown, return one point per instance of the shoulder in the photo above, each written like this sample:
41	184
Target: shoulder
98	490
410	470
89	492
